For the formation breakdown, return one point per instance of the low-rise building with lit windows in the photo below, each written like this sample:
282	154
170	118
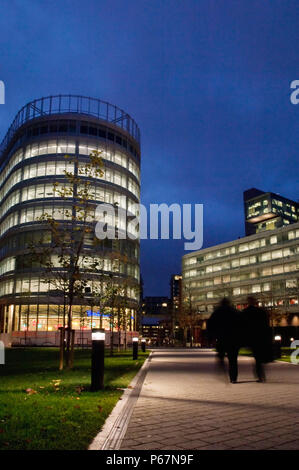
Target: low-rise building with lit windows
265	264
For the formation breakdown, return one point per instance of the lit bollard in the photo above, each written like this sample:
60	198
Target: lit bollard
2	353
135	348
143	342
97	359
277	347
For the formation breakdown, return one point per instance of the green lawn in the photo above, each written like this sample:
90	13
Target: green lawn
285	353
59	412
245	352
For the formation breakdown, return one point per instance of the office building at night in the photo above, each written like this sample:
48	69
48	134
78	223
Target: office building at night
265	265
267	211
156	320
32	158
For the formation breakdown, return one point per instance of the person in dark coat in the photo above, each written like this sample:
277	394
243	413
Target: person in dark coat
224	326
257	335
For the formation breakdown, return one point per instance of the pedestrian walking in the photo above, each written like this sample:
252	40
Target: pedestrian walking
257	336
224	326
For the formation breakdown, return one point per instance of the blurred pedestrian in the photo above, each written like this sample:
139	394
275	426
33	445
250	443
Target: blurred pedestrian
257	335
224	326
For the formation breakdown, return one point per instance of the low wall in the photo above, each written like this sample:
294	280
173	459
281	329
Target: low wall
52	338
6	339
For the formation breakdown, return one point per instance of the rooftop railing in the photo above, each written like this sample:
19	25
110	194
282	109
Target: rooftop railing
63	104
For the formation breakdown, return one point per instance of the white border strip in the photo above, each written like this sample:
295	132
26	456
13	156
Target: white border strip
112	433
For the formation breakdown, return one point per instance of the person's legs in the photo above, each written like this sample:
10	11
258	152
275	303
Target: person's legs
220	358
233	364
259	366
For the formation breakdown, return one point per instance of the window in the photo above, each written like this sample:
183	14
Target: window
243	247
291	283
277	254
277	269
235	263
266	287
256	288
267	272
266	256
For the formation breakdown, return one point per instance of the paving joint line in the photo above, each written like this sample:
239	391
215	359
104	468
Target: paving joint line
113	432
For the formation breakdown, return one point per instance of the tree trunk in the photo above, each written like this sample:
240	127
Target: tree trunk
125	338
185	336
119	330
72	334
62	337
61	348
69	347
111	339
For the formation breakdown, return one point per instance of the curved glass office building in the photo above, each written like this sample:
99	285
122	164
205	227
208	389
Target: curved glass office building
32	158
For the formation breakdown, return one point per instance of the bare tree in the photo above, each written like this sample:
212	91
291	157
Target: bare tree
66	261
187	316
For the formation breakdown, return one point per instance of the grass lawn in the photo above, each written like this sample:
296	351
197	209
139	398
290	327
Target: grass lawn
285	353
59	412
245	352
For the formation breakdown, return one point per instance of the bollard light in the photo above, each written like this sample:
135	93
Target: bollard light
143	342
98	335
135	347
97	359
277	347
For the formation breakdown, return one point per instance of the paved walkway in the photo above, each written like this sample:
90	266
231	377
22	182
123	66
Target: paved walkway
184	404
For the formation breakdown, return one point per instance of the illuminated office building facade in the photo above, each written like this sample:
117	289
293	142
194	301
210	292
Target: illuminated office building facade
32	158
268	211
265	265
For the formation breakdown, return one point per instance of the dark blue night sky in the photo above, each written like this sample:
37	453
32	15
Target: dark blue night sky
208	82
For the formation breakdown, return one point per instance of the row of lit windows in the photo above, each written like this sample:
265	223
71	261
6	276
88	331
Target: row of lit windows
243	247
284	213
24	240
13	161
9	264
248	276
69	147
33	214
285	204
43	317
55	167
6	265
83	127
265	303
256	207
48	190
108	154
240	262
35	285
58	168
245	290
269	225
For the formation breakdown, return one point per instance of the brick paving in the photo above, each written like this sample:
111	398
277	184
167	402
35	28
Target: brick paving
185	404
